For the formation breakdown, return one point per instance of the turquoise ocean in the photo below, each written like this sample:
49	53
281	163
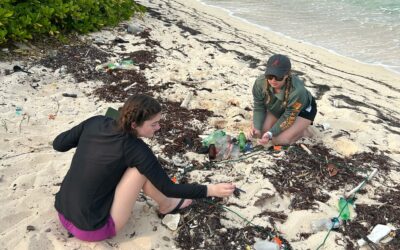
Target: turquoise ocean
365	30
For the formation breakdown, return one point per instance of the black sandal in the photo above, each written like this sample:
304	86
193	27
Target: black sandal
175	210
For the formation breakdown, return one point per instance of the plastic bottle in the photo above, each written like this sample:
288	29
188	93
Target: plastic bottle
325	224
213	137
242	141
221	144
343	204
235	153
266	245
212	152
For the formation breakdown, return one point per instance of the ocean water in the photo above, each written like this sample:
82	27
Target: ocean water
365	30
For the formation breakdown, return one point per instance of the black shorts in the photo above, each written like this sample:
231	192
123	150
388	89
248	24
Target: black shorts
309	112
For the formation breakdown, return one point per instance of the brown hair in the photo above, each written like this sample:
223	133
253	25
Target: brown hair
138	109
288	89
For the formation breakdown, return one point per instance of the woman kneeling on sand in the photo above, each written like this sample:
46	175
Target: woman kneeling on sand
111	165
283	107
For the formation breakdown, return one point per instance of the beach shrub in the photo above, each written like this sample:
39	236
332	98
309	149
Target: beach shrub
22	20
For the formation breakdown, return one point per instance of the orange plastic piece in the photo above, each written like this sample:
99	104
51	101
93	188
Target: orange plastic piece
173	179
277	148
277	241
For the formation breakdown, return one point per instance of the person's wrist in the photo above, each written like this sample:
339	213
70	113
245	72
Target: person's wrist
210	190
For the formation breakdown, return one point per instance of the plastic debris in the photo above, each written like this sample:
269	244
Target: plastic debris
171	221
134	29
377	233
350	193
242	141
18	111
325	224
213	137
344	205
124	64
266	245
212	152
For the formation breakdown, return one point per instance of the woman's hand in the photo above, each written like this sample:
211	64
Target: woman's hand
220	190
253	132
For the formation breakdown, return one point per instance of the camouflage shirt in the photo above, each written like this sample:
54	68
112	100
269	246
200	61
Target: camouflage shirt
299	99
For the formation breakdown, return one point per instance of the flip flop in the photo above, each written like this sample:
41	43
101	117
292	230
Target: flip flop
176	209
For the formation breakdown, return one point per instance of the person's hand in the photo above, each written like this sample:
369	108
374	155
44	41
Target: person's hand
220	190
264	139
253	132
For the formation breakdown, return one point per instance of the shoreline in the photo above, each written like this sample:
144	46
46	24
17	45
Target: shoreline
287	40
269	30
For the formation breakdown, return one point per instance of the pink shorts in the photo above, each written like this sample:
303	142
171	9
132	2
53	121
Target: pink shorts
105	232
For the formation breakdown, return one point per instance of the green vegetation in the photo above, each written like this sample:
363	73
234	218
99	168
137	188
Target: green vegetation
22	20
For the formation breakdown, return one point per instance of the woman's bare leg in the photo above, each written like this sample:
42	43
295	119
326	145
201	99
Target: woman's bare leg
127	191
293	133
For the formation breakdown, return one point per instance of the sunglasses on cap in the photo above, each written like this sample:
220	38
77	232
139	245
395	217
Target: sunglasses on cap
270	77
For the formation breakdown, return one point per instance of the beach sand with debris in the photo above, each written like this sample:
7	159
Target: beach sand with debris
186	50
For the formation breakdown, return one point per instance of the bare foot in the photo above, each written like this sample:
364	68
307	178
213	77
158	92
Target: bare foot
171	205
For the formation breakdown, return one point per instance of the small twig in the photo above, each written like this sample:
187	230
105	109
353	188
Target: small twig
87	52
24	116
5	125
58	106
276	218
32	150
186	223
209	229
398	207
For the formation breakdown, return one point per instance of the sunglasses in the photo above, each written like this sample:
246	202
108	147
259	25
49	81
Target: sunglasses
270	77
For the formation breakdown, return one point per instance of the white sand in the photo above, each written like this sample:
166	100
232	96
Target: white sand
30	170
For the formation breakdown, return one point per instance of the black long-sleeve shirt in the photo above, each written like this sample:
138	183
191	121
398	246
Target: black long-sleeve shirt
102	155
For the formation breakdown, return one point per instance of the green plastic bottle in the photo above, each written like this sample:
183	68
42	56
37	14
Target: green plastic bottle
346	211
213	137
242	141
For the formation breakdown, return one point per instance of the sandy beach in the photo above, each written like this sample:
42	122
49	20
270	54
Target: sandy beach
187	49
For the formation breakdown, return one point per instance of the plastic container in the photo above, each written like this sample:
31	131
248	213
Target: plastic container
343	204
325	224
266	245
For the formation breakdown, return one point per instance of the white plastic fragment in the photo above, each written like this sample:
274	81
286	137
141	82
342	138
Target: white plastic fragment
171	221
376	234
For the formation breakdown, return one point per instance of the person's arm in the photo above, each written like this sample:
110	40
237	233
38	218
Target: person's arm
296	103
70	138
141	157
259	110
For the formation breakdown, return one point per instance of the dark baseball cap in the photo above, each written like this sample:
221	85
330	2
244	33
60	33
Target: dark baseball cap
278	65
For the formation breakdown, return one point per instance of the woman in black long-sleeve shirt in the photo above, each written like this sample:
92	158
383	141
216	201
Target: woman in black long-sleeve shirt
111	165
